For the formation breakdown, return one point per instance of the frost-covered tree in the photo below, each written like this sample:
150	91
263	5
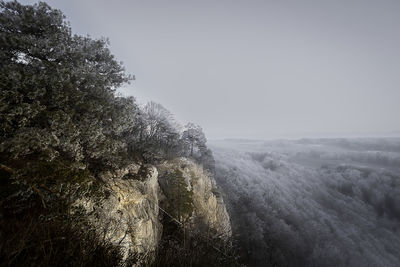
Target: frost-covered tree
160	122
157	133
194	137
57	89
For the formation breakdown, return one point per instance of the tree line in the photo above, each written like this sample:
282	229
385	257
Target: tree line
58	98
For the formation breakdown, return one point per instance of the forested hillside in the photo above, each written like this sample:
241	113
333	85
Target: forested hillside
313	202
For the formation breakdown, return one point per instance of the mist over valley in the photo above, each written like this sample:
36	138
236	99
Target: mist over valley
115	119
313	202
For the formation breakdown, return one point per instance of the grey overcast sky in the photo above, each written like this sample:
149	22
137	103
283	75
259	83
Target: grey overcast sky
257	69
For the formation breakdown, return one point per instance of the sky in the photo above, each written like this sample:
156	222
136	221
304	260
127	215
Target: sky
257	69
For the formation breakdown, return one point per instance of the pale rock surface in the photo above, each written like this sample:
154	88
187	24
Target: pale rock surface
209	207
128	217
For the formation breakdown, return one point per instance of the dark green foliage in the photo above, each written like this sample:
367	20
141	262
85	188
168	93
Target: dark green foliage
57	89
179	200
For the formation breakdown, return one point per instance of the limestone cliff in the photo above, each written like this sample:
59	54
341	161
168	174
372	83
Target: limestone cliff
209	207
129	215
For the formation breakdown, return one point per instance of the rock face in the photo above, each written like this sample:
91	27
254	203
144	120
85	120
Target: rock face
209	208
129	215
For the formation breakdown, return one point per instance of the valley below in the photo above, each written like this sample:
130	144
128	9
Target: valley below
313	202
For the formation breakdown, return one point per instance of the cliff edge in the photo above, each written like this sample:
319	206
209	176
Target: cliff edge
129	216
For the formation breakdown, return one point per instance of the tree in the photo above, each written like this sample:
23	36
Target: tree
207	159
194	137
57	89
158	135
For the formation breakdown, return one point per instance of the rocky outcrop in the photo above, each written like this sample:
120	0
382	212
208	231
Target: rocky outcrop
128	216
209	208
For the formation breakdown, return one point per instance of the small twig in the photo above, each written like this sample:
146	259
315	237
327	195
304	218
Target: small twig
7	169
48	189
40	195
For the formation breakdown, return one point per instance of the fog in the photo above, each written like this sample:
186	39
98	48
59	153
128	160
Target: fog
257	69
273	69
313	202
